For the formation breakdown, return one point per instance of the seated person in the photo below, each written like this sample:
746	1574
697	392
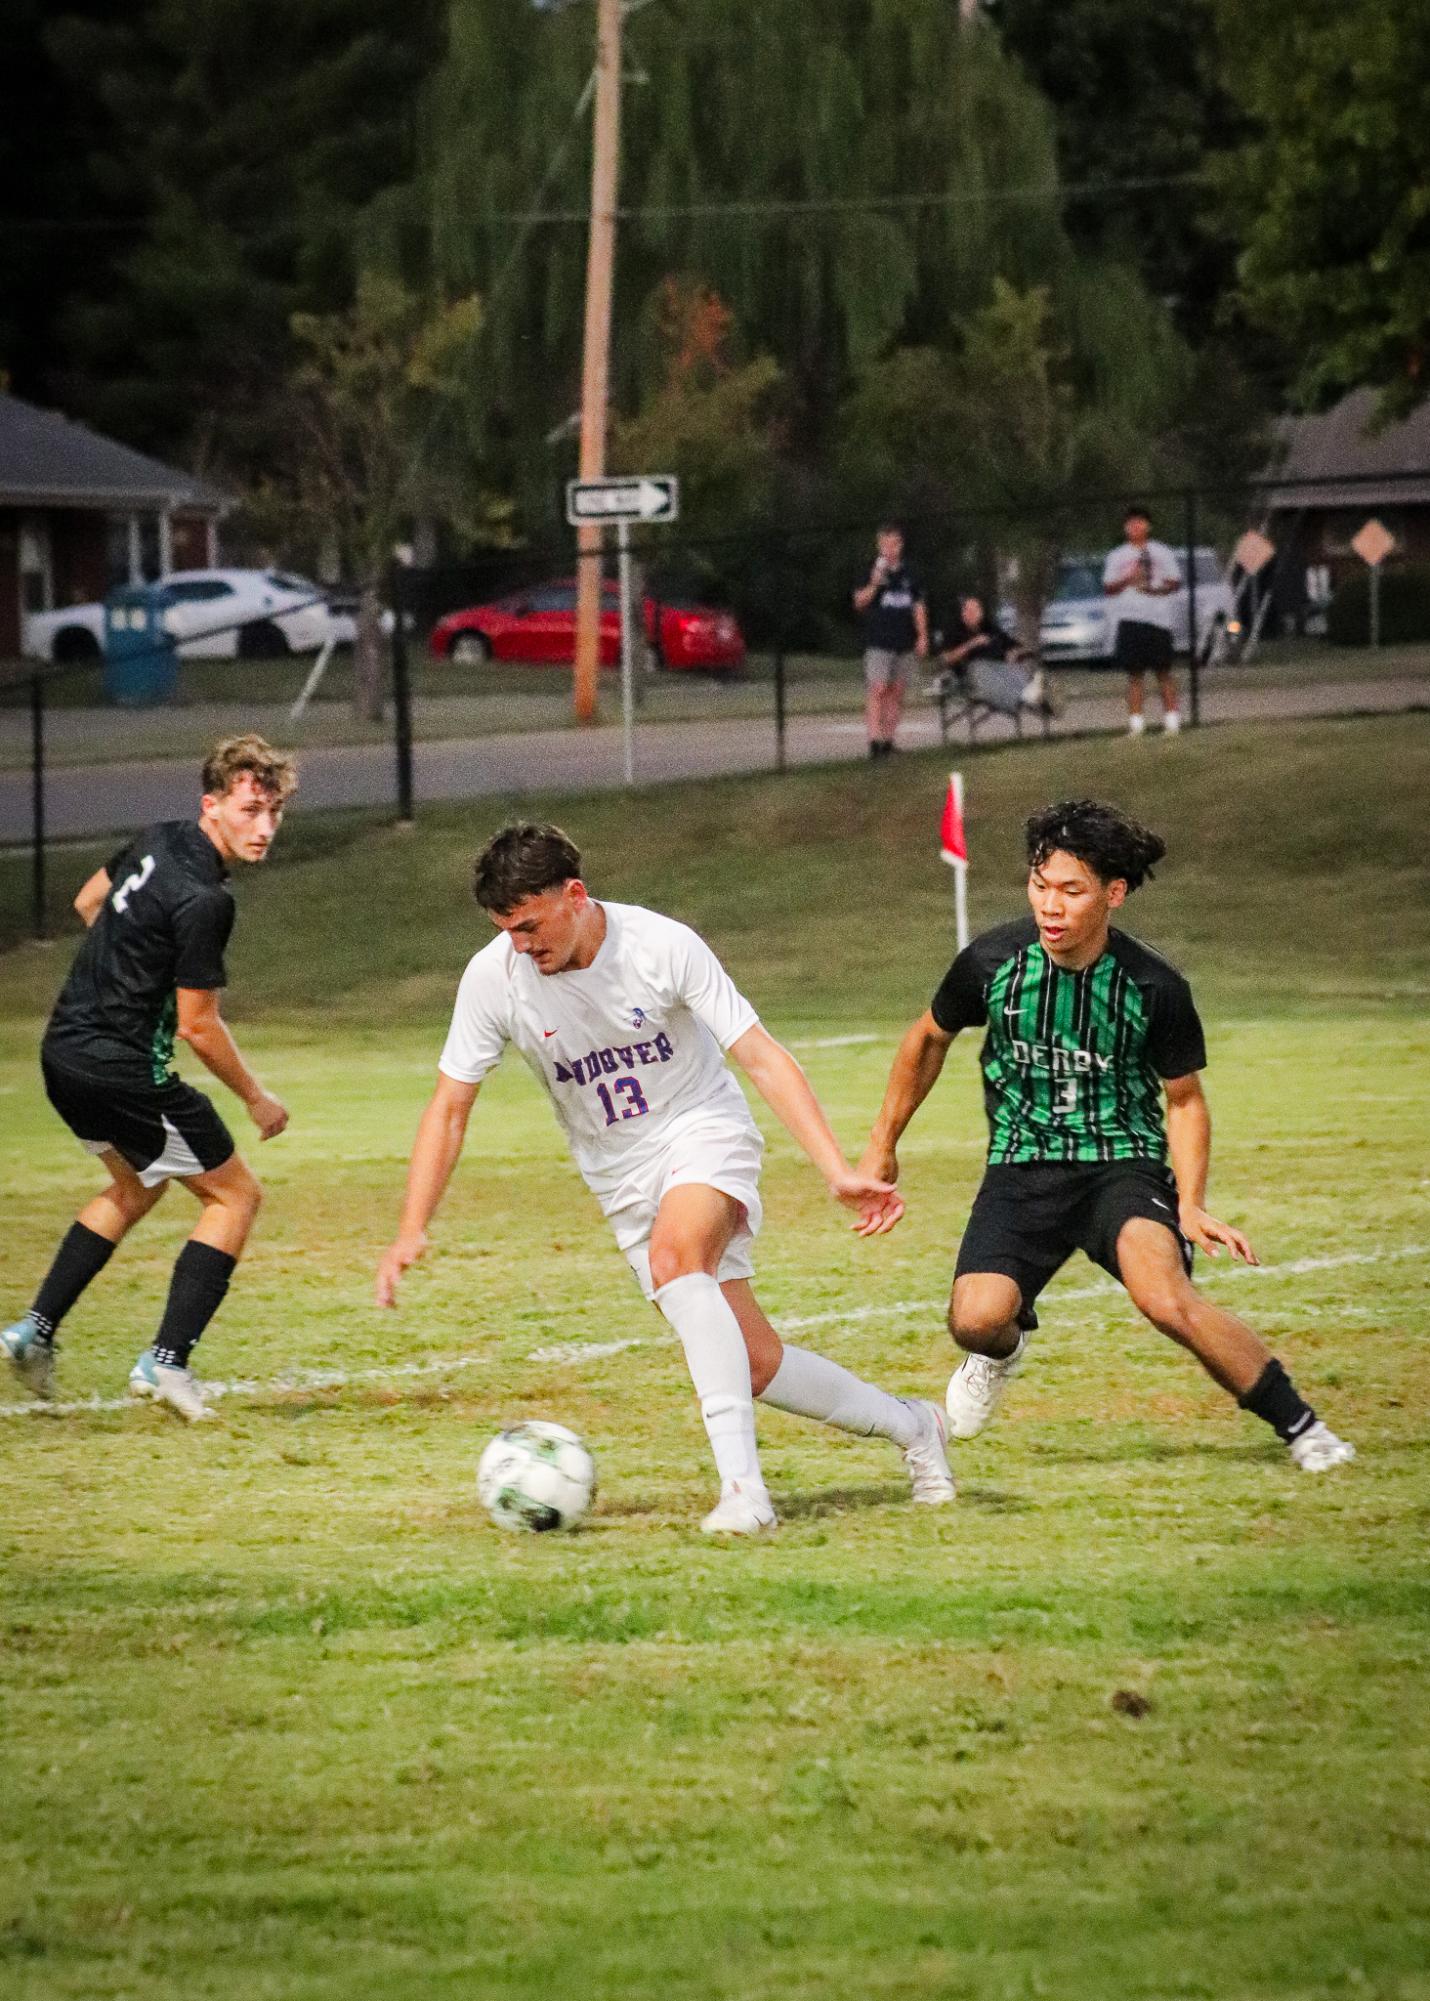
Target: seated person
978	638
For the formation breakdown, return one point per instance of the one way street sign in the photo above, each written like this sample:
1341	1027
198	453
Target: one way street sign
644	497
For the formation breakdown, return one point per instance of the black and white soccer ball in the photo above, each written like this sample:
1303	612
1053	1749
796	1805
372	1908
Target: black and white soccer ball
536	1476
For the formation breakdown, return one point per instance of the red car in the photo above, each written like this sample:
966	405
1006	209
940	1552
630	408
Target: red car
539	625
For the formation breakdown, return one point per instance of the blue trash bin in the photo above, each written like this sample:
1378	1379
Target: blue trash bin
141	661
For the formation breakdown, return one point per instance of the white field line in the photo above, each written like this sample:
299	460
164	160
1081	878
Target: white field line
260	1390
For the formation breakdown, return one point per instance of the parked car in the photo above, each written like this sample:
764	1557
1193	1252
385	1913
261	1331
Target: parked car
216	615
1080	623
539	625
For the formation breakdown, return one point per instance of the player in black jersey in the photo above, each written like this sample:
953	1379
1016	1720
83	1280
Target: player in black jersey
159	914
1087	1032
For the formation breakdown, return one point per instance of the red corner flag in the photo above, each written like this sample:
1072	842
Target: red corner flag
953	844
953	847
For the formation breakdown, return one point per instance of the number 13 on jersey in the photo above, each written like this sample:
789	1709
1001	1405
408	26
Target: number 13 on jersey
627	1088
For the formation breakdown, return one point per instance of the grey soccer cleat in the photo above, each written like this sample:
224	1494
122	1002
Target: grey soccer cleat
31	1354
178	1388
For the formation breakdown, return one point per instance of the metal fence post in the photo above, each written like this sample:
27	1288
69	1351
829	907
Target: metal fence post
38	924
1194	653
780	707
401	696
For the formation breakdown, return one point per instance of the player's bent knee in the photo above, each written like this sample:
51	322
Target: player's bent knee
672	1261
1168	1310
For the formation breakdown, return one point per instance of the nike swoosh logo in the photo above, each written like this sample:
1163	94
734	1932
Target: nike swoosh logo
549	1032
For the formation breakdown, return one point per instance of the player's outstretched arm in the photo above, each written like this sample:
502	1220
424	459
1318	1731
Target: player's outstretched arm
203	1027
1189	1141
786	1090
916	1067
435	1152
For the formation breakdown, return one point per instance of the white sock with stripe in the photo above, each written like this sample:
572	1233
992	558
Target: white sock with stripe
810	1385
720	1370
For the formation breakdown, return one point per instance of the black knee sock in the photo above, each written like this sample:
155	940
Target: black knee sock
1274	1398
201	1276
81	1257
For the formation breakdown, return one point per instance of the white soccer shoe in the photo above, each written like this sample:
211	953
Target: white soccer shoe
975	1389
1318	1450
927	1458
177	1388
741	1512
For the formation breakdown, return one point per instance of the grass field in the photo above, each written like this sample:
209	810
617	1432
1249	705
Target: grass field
284	1717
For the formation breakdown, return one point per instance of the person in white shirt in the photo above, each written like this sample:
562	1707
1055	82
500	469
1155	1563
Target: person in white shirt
1144	576
626	1018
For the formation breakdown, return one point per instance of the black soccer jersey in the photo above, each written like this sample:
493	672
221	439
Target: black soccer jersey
1072	1062
164	925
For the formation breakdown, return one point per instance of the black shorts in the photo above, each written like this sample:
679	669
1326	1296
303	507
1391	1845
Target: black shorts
1141	646
164	1131
1026	1222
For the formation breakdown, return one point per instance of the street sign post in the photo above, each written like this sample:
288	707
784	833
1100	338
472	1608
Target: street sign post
1373	543
641	497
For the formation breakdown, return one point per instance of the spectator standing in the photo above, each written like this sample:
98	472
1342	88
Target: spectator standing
896	634
1144	576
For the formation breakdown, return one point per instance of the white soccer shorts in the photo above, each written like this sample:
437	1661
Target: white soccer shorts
718	1153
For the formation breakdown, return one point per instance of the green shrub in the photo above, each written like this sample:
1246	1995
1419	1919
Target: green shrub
1404	607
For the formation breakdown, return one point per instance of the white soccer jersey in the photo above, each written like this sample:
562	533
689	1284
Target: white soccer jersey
629	1051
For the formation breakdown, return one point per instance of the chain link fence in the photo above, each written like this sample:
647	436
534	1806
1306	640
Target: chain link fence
748	655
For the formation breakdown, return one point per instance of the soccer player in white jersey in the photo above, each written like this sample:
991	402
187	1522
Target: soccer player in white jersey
626	1017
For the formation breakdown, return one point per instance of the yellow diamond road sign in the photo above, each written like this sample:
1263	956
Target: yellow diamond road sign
1253	552
1373	543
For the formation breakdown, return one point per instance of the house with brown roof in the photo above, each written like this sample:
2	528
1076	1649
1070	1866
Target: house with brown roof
80	513
1347	472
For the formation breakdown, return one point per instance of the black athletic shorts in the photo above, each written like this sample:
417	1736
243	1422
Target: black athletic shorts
162	1130
1142	647
1026	1222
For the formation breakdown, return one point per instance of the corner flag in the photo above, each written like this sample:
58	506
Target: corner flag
953	848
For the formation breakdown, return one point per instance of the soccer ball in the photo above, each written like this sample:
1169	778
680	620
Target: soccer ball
536	1476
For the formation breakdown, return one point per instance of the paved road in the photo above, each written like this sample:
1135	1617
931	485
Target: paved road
108	798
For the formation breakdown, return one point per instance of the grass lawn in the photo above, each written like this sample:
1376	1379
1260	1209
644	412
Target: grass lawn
284	1717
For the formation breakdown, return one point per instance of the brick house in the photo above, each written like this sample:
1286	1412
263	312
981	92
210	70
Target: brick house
80	513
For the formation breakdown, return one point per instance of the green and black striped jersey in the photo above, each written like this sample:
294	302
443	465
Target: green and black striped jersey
1072	1062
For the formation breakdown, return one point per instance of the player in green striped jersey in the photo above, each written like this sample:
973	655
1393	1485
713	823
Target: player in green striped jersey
1088	1032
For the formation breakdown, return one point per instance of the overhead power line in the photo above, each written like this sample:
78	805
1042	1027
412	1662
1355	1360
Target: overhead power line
530	218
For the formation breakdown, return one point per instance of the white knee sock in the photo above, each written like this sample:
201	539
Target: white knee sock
811	1386
720	1370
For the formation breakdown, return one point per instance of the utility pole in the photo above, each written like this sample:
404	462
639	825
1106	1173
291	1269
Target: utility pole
595	370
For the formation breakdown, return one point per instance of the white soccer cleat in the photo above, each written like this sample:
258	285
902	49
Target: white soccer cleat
927	1458
1171	722
975	1389
1318	1450
1136	725
741	1511
178	1388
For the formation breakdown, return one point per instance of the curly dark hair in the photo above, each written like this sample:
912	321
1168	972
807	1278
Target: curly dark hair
1114	847
524	859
